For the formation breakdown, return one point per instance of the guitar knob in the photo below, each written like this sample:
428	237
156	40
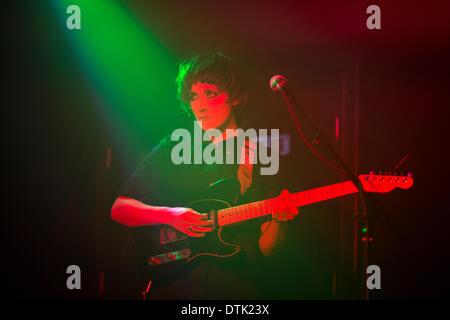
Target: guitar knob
172	257
155	260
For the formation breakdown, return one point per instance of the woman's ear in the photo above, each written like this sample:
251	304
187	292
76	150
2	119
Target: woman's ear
242	100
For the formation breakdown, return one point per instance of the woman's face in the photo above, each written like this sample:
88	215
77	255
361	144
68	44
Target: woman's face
210	106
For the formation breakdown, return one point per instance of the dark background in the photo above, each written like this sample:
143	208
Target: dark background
59	193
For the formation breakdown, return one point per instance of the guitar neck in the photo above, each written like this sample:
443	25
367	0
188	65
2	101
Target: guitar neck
258	209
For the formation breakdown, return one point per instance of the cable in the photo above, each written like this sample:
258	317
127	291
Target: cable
237	249
144	293
314	151
398	165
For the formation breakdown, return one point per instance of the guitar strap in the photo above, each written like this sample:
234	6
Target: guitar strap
245	170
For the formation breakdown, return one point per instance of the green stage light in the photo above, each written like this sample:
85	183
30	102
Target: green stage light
131	74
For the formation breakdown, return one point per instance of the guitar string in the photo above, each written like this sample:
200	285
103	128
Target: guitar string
265	204
231	215
257	205
254	208
237	247
298	198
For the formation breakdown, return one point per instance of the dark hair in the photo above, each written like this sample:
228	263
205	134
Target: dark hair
214	68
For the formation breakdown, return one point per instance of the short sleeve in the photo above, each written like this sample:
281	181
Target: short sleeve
146	184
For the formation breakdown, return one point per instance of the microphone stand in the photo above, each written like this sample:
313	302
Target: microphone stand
373	208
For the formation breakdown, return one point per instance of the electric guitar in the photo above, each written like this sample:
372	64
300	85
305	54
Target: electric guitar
164	253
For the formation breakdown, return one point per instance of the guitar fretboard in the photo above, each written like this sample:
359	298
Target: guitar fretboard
265	207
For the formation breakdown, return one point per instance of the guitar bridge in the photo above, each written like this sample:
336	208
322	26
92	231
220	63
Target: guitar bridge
169	257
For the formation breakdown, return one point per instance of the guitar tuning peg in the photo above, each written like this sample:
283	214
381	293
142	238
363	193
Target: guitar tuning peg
379	172
395	173
401	173
409	174
371	172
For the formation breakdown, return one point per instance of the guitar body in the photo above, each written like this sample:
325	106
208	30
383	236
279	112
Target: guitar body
164	254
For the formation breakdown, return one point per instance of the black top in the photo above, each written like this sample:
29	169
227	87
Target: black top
160	182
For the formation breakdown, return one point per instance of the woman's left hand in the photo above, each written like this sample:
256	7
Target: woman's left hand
284	210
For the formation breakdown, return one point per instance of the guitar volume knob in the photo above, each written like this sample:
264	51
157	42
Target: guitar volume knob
172	257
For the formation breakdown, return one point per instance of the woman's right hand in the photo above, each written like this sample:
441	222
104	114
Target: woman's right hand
189	221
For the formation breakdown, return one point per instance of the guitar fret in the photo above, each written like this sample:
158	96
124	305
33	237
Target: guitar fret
244	212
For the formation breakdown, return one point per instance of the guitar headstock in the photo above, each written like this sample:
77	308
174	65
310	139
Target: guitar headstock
385	183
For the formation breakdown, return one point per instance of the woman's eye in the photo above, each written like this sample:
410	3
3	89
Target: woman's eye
211	94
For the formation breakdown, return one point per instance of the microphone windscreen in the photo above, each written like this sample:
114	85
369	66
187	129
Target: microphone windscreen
277	82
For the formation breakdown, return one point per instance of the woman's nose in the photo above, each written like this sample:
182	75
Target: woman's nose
201	106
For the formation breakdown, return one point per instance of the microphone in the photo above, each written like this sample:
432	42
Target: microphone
277	82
